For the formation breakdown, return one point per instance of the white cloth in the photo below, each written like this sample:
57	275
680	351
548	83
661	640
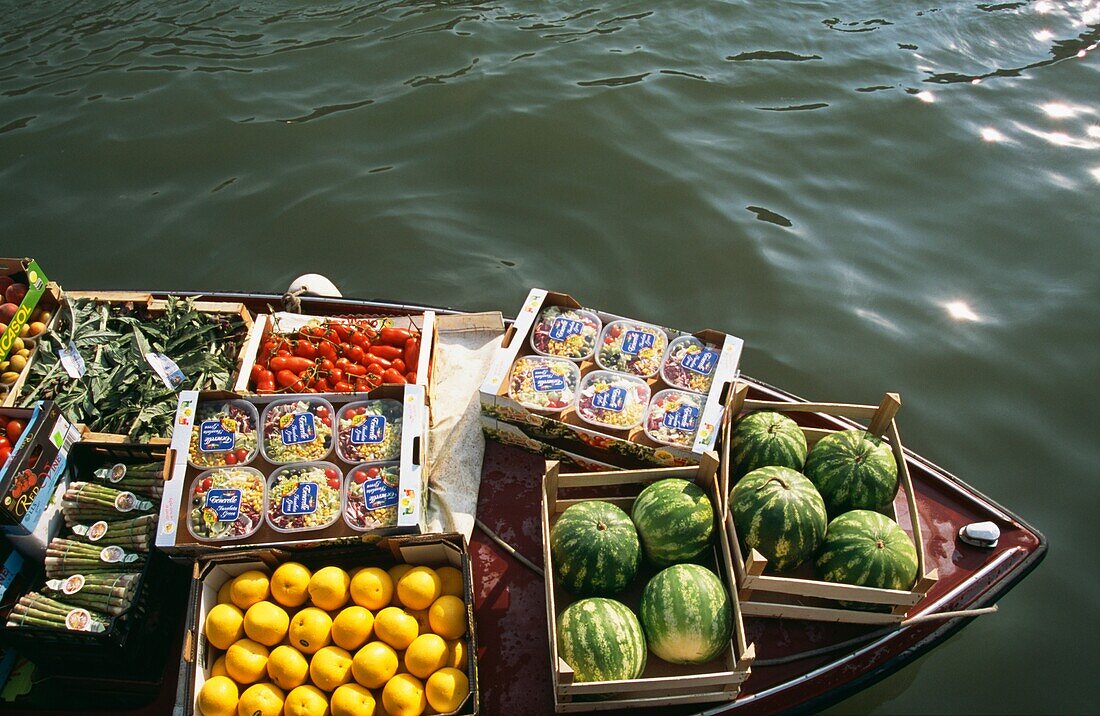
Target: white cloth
464	348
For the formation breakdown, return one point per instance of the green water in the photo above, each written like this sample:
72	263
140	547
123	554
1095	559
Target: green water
876	196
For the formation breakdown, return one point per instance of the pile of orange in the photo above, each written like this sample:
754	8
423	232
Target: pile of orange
299	643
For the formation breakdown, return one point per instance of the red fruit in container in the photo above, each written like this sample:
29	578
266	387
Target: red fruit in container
7	311
14	430
15	293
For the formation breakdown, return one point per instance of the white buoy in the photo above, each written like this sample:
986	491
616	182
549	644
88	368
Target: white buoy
312	284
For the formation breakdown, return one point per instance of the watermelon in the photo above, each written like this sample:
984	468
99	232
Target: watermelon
686	614
765	438
779	513
601	640
595	549
853	470
675	521
867	549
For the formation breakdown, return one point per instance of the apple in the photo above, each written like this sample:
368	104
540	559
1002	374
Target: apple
15	293
7	311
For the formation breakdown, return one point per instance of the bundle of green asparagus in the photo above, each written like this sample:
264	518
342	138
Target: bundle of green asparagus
135	535
146	479
110	593
65	557
35	610
86	502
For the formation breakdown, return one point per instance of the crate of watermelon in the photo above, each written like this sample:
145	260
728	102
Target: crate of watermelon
821	515
641	602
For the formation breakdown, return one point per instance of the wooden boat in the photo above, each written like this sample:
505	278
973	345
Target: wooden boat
801	666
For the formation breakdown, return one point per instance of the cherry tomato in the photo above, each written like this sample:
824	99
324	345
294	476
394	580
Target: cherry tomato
326	364
207	484
359	339
387	352
267	386
290	363
321	386
331	474
322	412
305	349
411	377
241	454
392	376
342	330
15	429
394	336
286	378
4	454
355	354
342	387
380	362
265	376
374	471
375	369
5	443
230	459
359	477
399	366
257	370
328	350
335	375
353	369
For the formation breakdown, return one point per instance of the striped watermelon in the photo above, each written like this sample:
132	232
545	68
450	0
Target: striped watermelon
595	549
675	521
686	614
853	470
766	438
867	549
601	640
779	513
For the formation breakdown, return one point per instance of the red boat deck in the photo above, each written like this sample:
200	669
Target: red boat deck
511	607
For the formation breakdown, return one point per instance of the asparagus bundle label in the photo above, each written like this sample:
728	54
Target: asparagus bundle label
69	586
114	554
81	620
94	533
112	475
128	501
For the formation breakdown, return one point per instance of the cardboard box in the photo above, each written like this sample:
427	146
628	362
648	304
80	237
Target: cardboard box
620	447
174	535
531	441
30	274
289	323
661	683
799	595
211	573
31	475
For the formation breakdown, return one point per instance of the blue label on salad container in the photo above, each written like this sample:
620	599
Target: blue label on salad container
610	398
562	328
215	437
546	380
636	341
302	500
225	503
369	432
377	494
685	418
300	430
702	362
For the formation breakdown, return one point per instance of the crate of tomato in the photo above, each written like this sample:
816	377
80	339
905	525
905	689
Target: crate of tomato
294	353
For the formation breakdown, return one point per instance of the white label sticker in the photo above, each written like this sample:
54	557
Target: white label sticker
72	361
81	620
72	585
167	369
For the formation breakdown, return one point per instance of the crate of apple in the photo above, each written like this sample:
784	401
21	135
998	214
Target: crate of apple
336	357
19	355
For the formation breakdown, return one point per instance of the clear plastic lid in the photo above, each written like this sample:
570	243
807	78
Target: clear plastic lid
304	497
297	430
547	385
565	332
371	496
612	400
369	430
673	417
226	503
632	347
689	364
226	432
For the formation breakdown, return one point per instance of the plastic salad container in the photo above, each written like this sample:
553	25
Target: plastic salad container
304	497
369	430
297	430
370	495
689	364
226	435
547	385
227	503
565	332
673	417
612	400
632	347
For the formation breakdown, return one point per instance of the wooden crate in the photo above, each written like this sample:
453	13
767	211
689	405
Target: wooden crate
138	298
799	595
50	301
661	683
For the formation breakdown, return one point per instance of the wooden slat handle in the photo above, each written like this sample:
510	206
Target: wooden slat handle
887	409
